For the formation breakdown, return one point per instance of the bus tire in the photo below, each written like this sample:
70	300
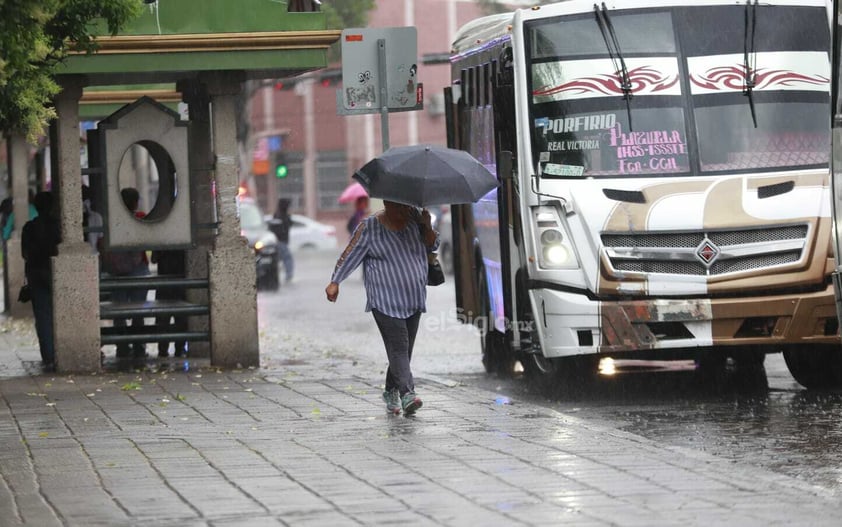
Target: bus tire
541	372
819	368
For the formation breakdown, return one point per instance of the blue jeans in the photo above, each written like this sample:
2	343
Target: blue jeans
286	257
42	309
399	338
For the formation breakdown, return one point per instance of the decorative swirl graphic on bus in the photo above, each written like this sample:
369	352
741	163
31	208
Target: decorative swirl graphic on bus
732	78
644	79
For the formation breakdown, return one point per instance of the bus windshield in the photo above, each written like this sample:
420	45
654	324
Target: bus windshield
689	106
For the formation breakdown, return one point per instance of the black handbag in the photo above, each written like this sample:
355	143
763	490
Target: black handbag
25	294
435	274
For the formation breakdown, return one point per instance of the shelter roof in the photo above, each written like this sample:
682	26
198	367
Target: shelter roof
179	39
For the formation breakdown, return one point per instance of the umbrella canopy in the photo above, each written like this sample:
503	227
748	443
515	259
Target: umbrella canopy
426	175
352	193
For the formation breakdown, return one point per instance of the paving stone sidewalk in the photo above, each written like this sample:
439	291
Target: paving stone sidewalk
284	446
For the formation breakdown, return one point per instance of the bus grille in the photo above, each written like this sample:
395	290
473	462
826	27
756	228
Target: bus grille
706	253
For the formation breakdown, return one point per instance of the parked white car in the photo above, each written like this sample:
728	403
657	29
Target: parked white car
307	233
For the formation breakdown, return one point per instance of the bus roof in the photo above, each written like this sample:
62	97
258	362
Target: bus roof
480	31
583	6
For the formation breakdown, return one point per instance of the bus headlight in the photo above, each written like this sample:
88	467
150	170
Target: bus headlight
556	254
551	236
553	241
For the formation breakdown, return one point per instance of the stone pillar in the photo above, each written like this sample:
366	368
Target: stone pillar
75	269
204	207
19	177
233	292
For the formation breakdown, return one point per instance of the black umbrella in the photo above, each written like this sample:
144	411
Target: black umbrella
426	175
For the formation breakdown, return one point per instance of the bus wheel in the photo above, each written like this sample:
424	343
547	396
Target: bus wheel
540	371
818	367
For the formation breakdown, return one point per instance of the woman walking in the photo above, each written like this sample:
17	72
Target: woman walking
392	246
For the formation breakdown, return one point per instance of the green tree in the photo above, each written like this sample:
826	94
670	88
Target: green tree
35	35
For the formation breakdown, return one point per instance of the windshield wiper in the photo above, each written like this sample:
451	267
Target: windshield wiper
615	54
750	56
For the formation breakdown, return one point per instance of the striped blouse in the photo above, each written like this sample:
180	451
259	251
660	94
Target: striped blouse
394	267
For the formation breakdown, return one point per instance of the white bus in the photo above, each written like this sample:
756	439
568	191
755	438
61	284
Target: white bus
665	190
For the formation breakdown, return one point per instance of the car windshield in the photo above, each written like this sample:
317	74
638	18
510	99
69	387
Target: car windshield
688	110
250	217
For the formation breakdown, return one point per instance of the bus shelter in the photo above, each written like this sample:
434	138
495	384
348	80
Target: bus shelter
198	53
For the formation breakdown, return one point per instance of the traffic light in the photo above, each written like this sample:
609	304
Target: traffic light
281	167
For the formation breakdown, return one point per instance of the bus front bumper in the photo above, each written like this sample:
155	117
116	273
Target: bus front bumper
570	324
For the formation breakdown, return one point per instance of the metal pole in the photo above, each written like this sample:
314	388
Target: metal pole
411	117
384	93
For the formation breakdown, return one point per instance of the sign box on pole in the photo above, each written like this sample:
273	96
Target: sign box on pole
360	69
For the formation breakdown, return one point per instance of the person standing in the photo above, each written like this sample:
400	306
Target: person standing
40	238
360	212
392	246
280	226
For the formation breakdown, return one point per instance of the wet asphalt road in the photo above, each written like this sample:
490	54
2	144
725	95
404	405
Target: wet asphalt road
785	428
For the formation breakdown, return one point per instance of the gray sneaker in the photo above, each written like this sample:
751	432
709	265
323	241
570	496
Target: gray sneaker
410	403
393	401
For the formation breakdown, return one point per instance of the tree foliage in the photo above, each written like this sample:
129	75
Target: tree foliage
35	35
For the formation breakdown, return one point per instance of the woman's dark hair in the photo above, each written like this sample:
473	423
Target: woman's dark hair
283	207
43	202
6	206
